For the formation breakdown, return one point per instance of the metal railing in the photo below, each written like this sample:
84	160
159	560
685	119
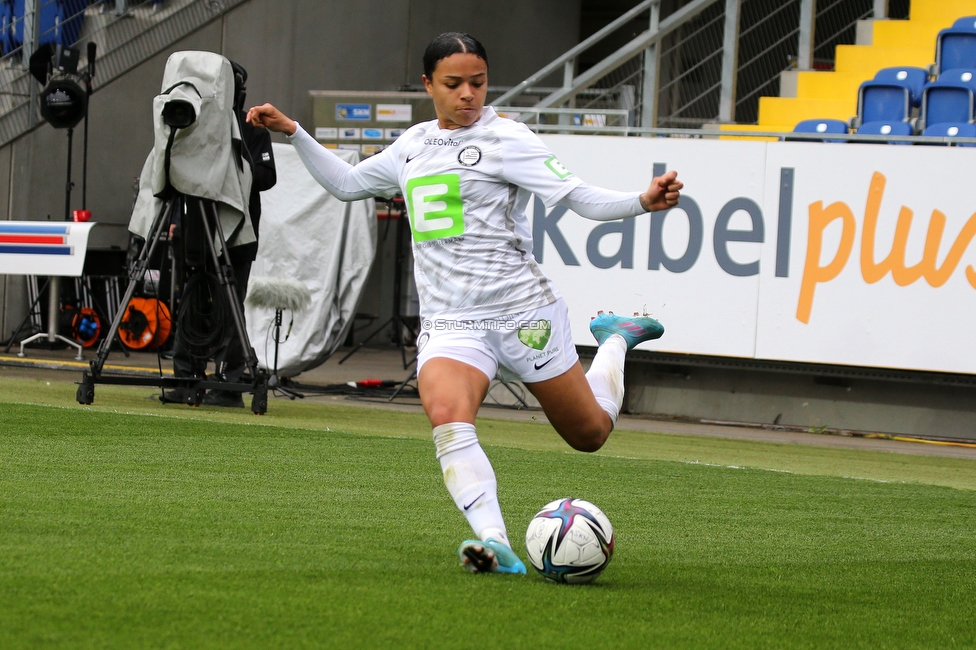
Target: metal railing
127	34
732	134
703	61
592	119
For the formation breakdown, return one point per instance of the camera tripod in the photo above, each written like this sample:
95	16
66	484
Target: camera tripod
209	225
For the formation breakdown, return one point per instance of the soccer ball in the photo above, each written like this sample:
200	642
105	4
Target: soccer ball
570	540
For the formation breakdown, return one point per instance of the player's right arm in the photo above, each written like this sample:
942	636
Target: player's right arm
376	176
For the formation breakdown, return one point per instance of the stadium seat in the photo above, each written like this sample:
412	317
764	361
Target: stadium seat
887	128
965	76
912	78
945	101
955	47
951	130
73	14
6	27
60	22
883	102
821	126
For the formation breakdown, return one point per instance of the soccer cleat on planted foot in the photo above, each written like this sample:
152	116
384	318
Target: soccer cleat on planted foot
634	329
490	556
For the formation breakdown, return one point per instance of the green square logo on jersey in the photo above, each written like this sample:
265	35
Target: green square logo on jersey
435	207
557	168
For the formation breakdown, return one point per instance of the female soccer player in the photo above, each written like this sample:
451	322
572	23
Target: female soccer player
485	304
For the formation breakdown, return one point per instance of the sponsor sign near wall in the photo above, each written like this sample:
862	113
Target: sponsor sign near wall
850	254
43	247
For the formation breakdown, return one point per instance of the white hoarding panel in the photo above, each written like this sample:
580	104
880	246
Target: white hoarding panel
879	258
43	247
700	281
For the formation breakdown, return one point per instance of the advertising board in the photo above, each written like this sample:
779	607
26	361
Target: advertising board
852	254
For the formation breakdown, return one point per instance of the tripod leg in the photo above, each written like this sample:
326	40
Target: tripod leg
365	341
137	272
237	309
400	388
16	333
512	391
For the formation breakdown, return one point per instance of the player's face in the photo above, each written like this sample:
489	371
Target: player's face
459	87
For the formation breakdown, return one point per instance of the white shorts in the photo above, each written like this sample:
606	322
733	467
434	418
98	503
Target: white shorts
532	346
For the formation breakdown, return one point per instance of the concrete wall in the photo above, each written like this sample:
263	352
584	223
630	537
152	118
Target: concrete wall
862	401
289	47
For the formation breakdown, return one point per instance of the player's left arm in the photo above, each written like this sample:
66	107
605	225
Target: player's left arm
664	192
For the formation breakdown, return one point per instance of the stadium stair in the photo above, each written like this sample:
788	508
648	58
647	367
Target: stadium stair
833	95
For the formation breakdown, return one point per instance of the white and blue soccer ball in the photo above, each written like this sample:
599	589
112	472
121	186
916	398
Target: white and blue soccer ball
570	540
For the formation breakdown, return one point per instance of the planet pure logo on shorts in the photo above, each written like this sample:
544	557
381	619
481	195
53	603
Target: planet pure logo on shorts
557	168
536	334
435	207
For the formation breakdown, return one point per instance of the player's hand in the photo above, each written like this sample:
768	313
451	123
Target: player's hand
663	193
269	117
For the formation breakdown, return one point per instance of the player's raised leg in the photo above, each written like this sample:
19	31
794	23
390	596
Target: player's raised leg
584	408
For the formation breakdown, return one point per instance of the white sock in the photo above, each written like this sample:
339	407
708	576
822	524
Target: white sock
606	375
470	479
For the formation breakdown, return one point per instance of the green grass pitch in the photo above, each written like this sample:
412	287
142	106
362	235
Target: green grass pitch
130	524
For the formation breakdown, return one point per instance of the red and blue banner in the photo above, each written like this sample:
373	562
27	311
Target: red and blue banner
43	248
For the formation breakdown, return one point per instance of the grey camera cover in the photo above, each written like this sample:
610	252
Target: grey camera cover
204	158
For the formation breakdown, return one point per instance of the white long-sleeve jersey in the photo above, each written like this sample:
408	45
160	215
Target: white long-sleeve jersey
466	191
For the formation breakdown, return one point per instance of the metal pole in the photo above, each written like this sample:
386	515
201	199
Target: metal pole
68	184
651	68
808	19
32	26
730	62
880	9
31	30
572	53
569	71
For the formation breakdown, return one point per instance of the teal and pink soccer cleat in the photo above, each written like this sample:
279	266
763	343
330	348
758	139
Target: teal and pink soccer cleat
634	329
489	556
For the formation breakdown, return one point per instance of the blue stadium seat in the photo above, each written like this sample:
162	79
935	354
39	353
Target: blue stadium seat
73	14
955	47
950	130
821	126
50	19
945	101
912	78
879	101
6	26
60	22
964	76
965	24
887	128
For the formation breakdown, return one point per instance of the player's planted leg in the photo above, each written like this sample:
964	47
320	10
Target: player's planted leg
489	556
470	480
